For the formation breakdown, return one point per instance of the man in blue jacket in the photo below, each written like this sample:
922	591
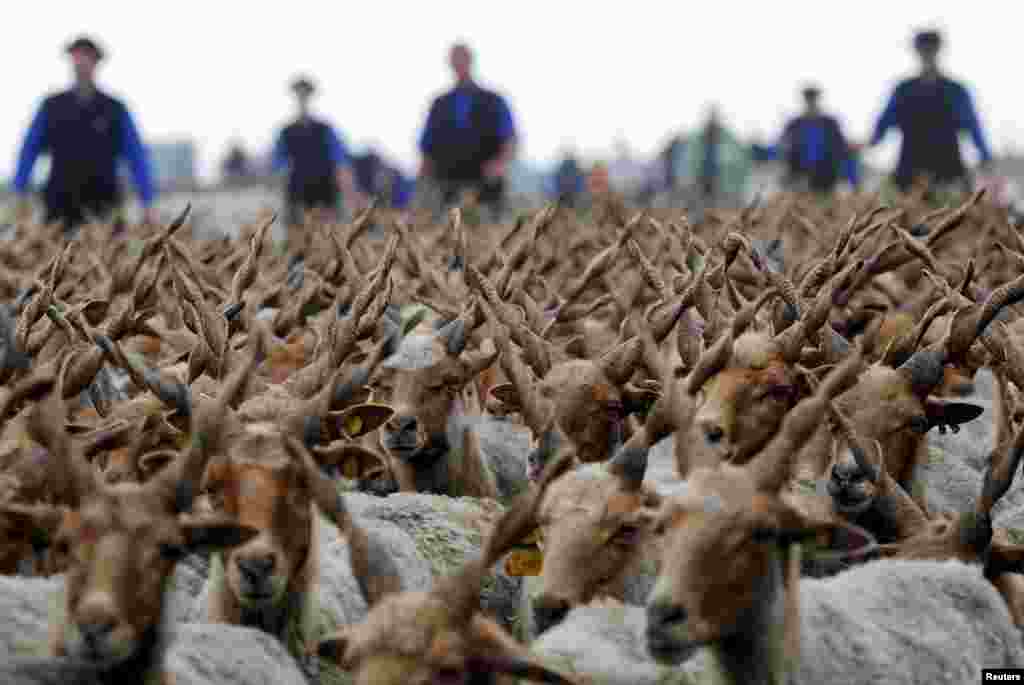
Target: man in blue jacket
814	148
376	178
568	181
469	137
320	169
85	131
930	110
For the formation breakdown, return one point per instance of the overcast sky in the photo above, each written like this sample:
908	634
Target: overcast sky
577	73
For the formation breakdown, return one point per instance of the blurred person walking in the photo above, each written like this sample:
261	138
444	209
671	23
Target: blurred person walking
714	165
85	131
469	138
569	181
374	177
814	149
319	167
930	110
236	164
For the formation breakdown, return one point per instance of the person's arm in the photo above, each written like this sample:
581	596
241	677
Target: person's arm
279	155
427	138
506	133
849	166
138	159
888	119
967	118
31	147
339	156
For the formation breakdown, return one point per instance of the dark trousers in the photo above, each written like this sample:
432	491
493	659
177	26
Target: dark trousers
904	182
71	209
491	192
300	197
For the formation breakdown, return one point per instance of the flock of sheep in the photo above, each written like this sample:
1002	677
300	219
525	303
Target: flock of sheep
767	448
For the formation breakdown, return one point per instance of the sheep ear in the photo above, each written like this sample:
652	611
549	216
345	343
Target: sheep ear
215	533
355	461
942	414
506	394
361	419
333	648
38	522
153	462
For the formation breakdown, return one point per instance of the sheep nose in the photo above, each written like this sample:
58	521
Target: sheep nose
843	472
256	567
661	615
713	433
548	613
95	631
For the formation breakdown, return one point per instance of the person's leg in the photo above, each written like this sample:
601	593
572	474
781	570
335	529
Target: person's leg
60	209
492	196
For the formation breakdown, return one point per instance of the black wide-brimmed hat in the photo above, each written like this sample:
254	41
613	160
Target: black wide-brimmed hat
303	86
927	39
85	43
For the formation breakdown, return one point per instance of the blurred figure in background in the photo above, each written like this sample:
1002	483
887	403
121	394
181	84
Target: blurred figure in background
236	163
626	174
815	150
713	164
376	178
469	138
320	171
85	131
930	110
569	181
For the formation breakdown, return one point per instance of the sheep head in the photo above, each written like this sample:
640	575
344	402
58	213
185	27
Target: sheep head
592	524
121	543
440	636
716	563
424	393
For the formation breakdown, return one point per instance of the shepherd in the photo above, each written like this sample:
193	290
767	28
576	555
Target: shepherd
815	149
469	138
320	167
85	131
930	110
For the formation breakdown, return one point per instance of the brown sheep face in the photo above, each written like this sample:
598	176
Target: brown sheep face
719	561
410	639
592	527
423	398
741	407
587	407
122	547
884	408
274	500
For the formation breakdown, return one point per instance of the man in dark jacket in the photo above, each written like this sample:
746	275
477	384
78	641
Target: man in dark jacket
815	149
569	182
469	138
376	178
85	131
930	110
320	171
